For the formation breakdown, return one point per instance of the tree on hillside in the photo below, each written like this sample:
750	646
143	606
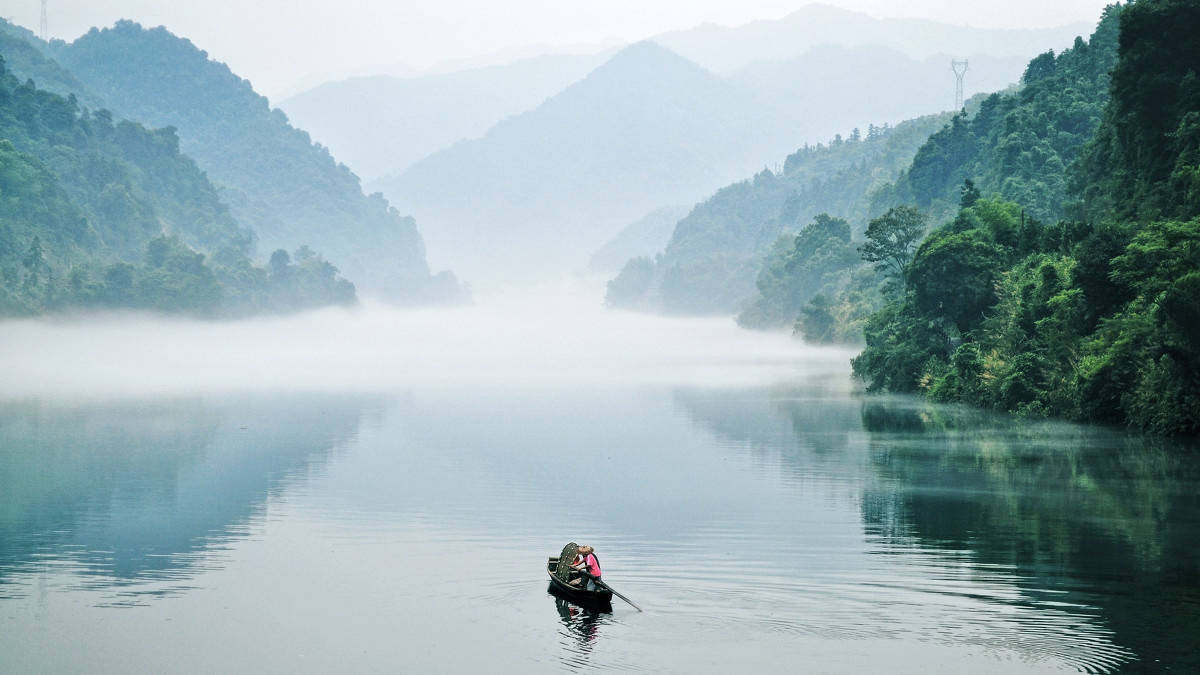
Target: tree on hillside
891	239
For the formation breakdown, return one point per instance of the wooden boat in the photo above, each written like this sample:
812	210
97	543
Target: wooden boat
577	594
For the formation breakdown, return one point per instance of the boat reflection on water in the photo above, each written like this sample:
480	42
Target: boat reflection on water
582	627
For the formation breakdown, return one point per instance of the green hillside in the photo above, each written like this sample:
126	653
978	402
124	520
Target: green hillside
102	213
716	252
1019	145
1093	318
1014	145
274	179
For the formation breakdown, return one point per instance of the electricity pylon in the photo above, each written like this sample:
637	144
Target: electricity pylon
960	69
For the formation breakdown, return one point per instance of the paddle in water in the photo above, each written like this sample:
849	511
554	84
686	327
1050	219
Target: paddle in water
610	589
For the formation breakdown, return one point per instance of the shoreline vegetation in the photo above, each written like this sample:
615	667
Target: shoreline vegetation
1093	318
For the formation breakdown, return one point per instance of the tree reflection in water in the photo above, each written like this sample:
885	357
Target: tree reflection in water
1098	517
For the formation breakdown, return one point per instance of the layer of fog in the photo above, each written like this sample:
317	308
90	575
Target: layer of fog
553	336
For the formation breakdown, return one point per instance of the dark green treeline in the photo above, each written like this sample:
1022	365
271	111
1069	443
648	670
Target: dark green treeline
101	213
1097	316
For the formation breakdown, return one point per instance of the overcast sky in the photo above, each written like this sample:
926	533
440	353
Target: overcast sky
276	43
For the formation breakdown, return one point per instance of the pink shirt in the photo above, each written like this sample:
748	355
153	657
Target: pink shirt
593	566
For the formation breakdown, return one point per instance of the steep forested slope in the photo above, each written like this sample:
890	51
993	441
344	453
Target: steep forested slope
716	252
130	182
275	181
1094	318
1014	144
101	213
1018	145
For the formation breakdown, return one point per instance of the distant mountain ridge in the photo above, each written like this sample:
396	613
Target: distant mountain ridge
802	78
646	128
650	128
381	124
830	89
645	236
725	49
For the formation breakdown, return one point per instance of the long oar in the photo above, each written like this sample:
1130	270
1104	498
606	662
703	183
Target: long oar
601	584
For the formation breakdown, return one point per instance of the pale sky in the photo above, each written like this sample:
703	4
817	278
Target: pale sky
275	43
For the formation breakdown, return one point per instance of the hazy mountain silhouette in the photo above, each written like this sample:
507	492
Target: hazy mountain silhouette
647	128
381	124
650	128
645	236
832	89
725	49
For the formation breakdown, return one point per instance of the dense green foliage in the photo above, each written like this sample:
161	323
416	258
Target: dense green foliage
816	261
276	182
891	238
1142	164
97	213
1019	145
1094	320
1015	144
716	252
129	181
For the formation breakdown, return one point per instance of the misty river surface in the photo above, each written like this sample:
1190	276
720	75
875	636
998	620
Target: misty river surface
378	491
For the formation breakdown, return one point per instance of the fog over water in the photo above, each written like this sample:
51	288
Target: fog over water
554	334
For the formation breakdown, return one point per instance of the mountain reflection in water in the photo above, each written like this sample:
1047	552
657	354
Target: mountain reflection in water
133	496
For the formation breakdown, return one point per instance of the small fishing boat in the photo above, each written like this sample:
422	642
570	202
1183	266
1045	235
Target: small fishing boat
576	594
559	569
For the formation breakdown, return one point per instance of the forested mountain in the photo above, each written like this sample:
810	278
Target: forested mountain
716	252
726	49
97	212
1014	144
1093	318
382	124
1020	144
542	189
274	179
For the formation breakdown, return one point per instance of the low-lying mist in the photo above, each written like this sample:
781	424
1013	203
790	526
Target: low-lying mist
551	336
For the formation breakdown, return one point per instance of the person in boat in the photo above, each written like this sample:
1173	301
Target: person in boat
588	565
573	575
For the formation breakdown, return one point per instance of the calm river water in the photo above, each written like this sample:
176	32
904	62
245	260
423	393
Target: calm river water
763	512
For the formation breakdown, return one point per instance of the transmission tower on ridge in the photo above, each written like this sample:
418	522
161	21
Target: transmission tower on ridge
960	69
45	23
